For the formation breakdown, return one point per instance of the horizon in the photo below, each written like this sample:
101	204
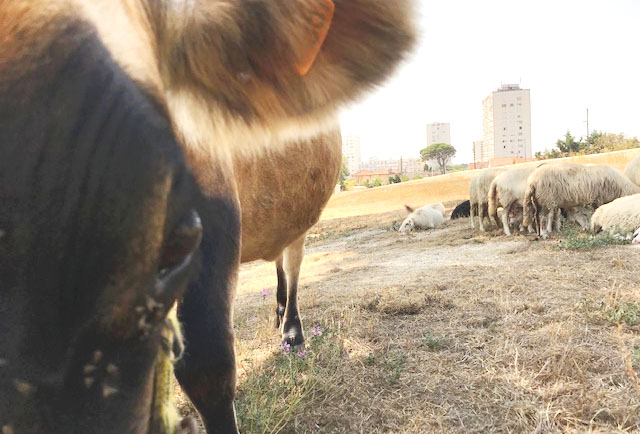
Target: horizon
459	60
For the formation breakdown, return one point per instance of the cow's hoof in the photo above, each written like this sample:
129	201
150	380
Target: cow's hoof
292	332
188	425
279	316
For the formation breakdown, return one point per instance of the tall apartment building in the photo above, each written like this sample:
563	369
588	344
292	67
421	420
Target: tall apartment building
351	151
506	124
438	133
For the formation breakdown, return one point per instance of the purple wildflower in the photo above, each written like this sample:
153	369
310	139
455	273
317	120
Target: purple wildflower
265	292
285	347
317	330
302	354
341	323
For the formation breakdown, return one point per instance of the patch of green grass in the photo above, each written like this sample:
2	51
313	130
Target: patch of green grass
627	312
280	387
394	364
434	343
572	238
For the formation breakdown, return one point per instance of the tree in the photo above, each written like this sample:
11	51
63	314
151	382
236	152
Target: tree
441	152
344	169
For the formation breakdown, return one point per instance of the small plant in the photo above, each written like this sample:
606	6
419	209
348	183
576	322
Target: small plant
273	392
573	239
433	343
394	365
627	312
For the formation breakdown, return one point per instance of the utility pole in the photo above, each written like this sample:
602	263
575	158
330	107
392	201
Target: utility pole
588	144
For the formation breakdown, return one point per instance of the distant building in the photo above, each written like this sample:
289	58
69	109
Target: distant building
383	175
438	133
351	151
410	166
506	125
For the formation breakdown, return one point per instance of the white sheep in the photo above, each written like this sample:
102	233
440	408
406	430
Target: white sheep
426	217
478	196
507	189
552	187
632	171
622	216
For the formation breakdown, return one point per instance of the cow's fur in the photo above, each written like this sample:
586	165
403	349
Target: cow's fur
567	185
507	190
622	216
97	206
461	210
479	196
632	171
279	207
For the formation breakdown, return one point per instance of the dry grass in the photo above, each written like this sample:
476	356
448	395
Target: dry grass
445	331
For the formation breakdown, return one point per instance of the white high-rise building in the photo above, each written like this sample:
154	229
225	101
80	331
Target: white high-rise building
506	123
351	151
438	133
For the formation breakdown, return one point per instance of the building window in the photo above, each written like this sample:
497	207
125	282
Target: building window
520	127
511	105
504	105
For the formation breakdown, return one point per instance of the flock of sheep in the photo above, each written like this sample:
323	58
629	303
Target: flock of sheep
538	199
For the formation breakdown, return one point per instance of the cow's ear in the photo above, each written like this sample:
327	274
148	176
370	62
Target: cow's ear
175	262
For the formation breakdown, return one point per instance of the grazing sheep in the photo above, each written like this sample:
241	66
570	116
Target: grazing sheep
478	196
568	185
622	216
507	189
632	171
426	217
461	210
636	237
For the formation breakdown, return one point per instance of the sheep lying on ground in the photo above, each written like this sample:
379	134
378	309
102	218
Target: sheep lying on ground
507	189
636	237
461	210
622	216
426	217
478	196
567	186
632	171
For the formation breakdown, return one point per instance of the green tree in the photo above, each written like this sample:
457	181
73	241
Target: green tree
569	144
376	182
441	152
344	169
397	179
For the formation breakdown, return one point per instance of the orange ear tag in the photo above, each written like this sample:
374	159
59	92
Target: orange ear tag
320	22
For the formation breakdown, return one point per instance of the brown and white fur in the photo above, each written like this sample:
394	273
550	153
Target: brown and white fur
281	197
222	72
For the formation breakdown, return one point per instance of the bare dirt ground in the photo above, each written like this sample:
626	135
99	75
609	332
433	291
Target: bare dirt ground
444	331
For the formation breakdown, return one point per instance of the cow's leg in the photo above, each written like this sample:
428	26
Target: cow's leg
281	292
292	325
505	219
207	371
481	215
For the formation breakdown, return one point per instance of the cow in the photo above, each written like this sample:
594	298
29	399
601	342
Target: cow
119	124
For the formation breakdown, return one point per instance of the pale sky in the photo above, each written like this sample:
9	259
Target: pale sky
572	54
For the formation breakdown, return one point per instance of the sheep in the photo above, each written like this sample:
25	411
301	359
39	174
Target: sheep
636	237
438	206
461	210
569	185
507	189
632	171
622	216
478	196
426	217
